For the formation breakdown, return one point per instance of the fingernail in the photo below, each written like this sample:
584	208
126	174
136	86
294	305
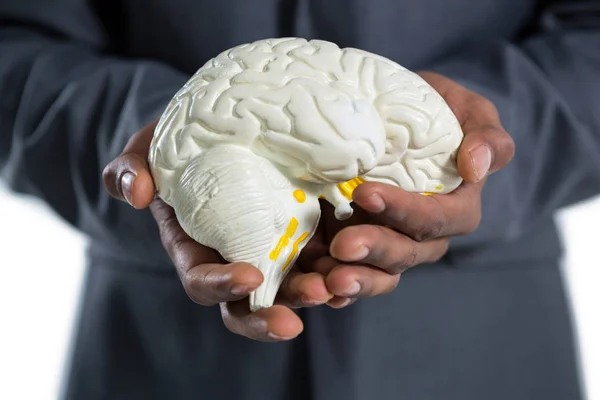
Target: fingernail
239	290
376	203
127	185
311	302
352	290
345	303
360	253
273	336
336	305
481	158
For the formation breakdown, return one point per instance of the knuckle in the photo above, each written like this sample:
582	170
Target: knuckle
501	143
442	249
430	230
496	137
455	97
194	283
509	144
407	260
191	292
484	105
473	221
505	148
398	267
412	255
476	221
392	285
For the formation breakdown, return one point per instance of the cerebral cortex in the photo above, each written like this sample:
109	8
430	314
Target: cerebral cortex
323	113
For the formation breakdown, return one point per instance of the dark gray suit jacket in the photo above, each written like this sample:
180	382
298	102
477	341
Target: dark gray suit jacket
490	321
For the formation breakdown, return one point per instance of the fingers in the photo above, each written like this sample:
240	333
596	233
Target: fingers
341	302
486	147
384	248
128	176
303	290
205	278
354	281
379	255
357	281
271	324
324	265
484	150
210	284
422	217
350	282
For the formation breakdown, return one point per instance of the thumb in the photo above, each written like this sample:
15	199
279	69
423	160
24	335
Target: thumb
128	176
483	152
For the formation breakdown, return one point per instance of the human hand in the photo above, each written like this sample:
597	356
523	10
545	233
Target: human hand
394	230
206	277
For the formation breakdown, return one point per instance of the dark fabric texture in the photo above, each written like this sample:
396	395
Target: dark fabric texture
446	333
78	77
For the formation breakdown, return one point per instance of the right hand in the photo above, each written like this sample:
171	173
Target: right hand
206	277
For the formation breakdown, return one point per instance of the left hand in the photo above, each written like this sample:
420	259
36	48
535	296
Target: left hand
395	229
206	278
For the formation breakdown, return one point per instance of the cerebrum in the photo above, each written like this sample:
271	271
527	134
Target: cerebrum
322	113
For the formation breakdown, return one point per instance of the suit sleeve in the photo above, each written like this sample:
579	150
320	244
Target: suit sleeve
547	90
67	108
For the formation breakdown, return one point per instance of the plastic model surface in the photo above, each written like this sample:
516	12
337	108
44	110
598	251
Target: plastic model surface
250	143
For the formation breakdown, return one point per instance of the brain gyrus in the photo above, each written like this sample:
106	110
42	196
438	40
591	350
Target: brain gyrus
289	114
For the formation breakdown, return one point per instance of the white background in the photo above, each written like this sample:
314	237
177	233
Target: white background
42	265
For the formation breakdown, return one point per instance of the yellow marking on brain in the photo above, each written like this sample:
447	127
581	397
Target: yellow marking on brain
295	246
437	188
299	195
284	240
347	188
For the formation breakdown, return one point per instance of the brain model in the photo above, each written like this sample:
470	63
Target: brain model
250	143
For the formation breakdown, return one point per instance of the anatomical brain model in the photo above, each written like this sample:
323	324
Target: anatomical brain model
246	148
